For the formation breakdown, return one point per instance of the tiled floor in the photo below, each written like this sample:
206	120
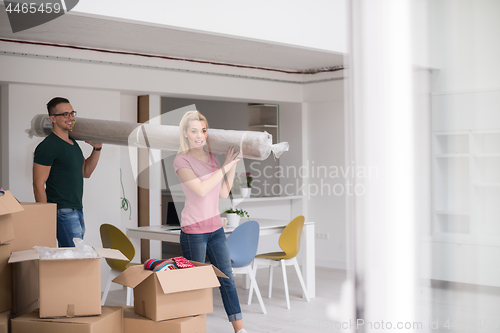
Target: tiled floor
302	317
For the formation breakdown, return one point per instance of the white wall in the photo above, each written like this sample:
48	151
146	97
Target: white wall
306	24
465	96
291	131
324	149
463	44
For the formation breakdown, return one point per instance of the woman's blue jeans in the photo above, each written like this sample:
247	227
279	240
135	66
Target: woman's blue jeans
214	245
70	224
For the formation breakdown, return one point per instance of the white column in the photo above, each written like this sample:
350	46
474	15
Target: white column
383	134
154	177
4	137
383	251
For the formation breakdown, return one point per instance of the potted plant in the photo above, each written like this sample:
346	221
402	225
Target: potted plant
234	216
246	184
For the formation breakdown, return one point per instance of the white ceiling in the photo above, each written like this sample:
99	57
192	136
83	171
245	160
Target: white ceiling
104	33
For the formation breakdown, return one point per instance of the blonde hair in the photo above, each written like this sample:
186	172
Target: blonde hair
183	126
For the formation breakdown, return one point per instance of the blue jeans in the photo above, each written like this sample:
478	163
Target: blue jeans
70	225
214	245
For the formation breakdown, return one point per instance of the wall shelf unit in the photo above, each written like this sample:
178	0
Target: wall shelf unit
466	184
264	117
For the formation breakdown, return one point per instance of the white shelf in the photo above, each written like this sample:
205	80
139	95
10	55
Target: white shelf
487	184
486	155
264	117
483	240
452	224
451	144
260	126
447	133
239	199
485	132
261	105
452	212
451	155
466	186
486	143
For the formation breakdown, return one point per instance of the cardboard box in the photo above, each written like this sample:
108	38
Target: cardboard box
134	323
8	206
171	294
5	322
109	322
5	278
24	287
69	287
41	220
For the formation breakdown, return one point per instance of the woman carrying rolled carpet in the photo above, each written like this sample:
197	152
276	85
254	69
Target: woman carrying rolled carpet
203	181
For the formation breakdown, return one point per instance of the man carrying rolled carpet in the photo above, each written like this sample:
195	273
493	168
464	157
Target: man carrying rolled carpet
58	171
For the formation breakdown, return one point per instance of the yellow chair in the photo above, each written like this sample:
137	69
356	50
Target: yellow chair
114	238
289	242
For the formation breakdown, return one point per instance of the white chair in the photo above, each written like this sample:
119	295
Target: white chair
243	243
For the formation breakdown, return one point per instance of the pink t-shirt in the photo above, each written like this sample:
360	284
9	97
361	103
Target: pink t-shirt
200	214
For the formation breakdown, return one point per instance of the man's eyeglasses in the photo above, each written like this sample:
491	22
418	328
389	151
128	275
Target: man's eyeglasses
65	114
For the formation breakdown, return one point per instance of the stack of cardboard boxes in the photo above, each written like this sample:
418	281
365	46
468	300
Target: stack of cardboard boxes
19	283
64	295
69	296
32	289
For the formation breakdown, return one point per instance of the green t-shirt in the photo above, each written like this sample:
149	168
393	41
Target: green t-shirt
65	183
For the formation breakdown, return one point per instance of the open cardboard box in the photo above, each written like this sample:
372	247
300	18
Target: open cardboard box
172	294
69	287
8	206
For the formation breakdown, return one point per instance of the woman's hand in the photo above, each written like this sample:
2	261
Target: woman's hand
228	170
231	159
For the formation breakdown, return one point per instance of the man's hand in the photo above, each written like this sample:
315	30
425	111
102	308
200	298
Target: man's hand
91	162
94	144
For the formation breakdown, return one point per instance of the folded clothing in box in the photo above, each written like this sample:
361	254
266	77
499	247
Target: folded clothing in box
158	265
